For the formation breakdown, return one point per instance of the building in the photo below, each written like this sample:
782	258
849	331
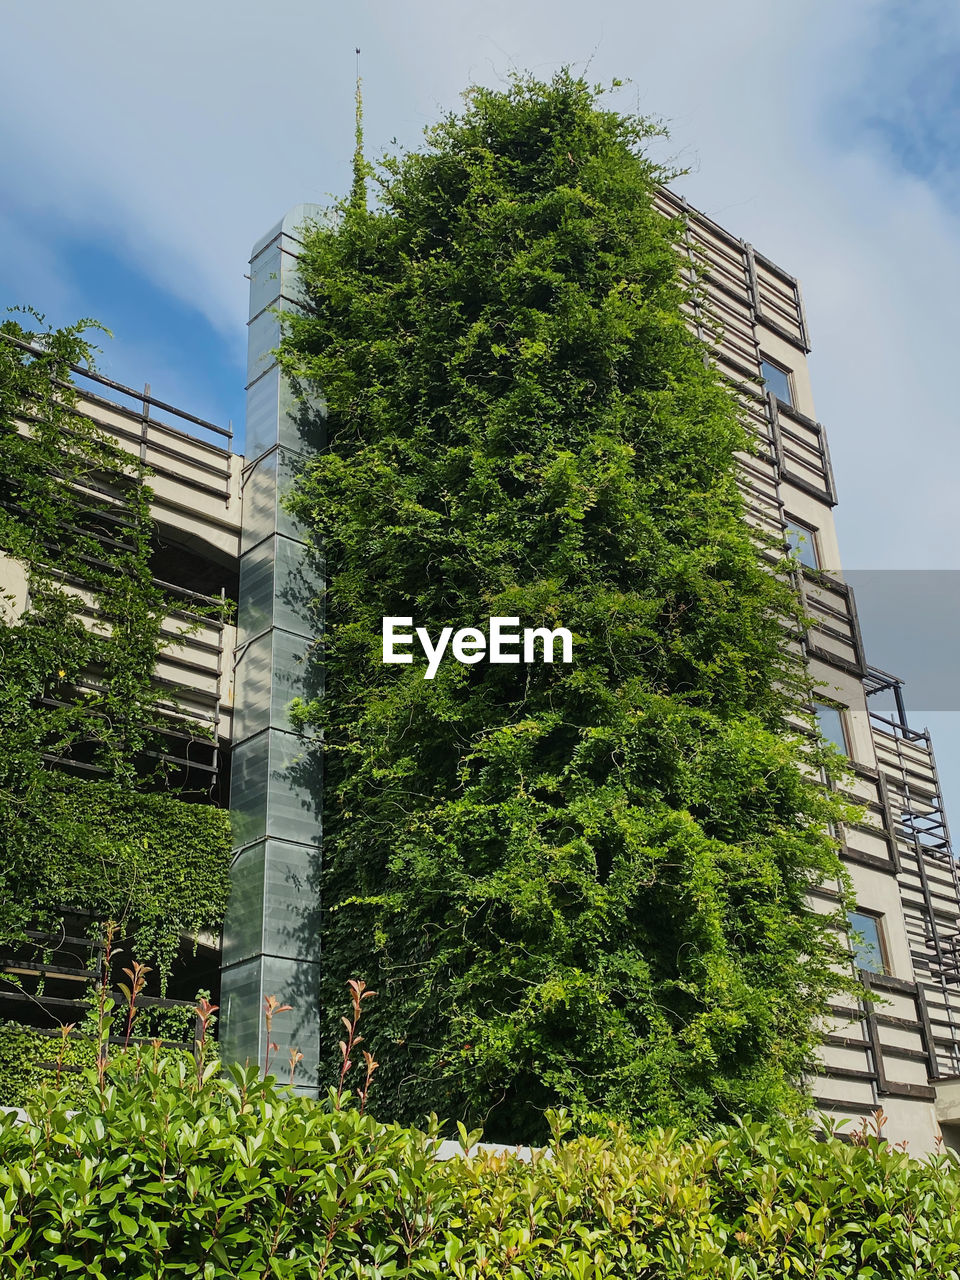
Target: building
196	484
902	1052
221	527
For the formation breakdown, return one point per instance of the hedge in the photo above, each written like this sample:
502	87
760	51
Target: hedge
163	1175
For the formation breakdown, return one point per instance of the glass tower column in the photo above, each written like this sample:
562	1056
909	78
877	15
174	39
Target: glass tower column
271	933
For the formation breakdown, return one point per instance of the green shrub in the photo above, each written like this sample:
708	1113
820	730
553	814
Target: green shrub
28	1064
163	1175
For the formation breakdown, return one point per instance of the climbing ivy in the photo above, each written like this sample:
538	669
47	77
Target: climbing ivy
75	521
149	859
576	884
21	1050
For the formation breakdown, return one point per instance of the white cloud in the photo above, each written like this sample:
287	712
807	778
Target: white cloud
182	132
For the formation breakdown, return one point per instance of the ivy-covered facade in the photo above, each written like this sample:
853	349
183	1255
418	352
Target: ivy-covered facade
596	886
114	616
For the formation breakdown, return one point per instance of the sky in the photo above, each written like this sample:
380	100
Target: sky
145	148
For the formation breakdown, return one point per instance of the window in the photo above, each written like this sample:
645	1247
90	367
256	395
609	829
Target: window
830	721
803	543
776	380
867	942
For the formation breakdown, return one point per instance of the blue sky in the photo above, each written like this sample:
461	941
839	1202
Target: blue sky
906	99
146	148
157	337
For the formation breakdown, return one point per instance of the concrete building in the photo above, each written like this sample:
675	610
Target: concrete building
196	482
221	525
902	1052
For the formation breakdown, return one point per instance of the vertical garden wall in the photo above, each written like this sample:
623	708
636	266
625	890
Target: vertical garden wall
577	884
89	820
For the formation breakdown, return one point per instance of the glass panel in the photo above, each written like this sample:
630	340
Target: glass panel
249	765
298	586
302	423
803	544
275	789
260	501
274	903
271	671
289	276
290	466
243	925
830	720
777	381
263	406
293	676
263	335
257	588
263	509
865	941
291	923
265	278
243	1034
279	587
241	1012
295	982
252	687
293	804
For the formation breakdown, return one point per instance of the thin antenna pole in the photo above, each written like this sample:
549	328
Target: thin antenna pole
358	191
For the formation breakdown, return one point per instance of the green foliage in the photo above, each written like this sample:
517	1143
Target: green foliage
74	508
20	1047
163	1175
168	859
32	1064
26	1055
75	512
586	884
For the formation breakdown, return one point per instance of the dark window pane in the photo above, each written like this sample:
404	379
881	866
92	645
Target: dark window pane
867	946
830	721
803	544
777	381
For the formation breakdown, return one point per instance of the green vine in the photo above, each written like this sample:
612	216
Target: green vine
20	1074
584	884
75	515
29	1061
